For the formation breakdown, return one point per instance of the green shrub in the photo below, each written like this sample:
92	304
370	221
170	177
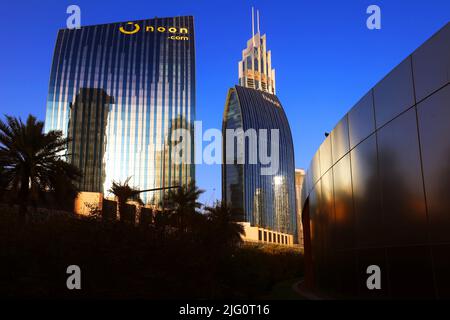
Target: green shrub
121	261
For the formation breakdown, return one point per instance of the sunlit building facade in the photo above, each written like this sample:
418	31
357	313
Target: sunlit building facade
264	203
376	191
255	68
299	177
263	200
119	91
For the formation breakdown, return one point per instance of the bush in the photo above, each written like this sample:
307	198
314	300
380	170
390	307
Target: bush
121	261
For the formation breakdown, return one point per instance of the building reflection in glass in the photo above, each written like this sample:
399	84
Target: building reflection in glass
88	120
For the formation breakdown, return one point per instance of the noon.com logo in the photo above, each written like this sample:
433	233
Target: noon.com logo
175	33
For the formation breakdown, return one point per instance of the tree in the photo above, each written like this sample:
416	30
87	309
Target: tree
182	206
32	164
124	192
3	182
225	232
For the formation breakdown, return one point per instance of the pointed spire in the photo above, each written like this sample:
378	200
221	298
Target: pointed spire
257	15
255	68
253	21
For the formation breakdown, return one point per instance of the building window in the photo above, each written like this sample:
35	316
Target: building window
270	236
278	239
265	235
259	235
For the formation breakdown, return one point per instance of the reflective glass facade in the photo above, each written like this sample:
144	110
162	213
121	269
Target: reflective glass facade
119	91
376	192
266	201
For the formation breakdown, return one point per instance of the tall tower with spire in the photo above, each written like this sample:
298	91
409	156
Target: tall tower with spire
255	68
263	201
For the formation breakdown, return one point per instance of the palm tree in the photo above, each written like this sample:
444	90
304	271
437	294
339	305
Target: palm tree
32	165
182	206
124	192
3	183
222	227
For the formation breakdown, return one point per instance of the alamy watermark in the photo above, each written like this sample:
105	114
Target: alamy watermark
74	20
374	280
74	279
251	146
373	22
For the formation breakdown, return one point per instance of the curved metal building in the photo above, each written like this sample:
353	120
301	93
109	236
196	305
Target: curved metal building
376	192
264	200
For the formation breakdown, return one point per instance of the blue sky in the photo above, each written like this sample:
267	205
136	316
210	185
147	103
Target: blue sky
325	57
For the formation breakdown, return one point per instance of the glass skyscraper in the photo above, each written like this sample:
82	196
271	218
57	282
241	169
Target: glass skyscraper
266	201
119	91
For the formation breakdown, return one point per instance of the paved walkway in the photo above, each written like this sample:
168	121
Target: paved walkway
302	291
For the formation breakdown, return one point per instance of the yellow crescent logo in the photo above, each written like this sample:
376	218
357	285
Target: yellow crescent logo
136	28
